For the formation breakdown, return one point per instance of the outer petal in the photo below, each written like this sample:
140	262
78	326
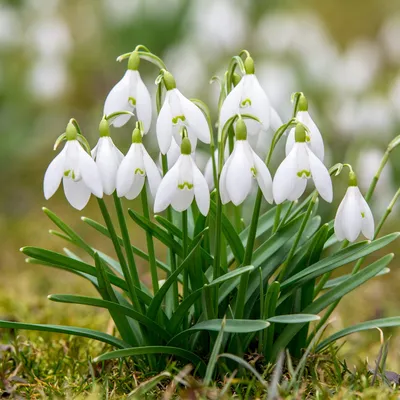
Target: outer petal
316	142
107	161
143	104
321	177
352	219
195	118
77	193
208	172
275	120
164	126
117	100
238	176
54	174
290	142
136	188
126	171
152	172
167	189
231	104
90	173
223	191
368	225
339	220
285	179
263	177
201	191
298	190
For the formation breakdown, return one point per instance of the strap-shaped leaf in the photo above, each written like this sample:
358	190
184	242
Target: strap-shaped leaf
169	226
69	330
294	318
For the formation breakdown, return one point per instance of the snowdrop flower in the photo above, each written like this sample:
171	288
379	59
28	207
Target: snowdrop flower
108	158
177	113
247	97
208	170
173	154
243	165
301	164
183	183
134	168
130	94
78	171
313	136
353	215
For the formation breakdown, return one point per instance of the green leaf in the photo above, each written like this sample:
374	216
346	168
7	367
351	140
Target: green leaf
363	326
294	318
169	226
330	297
342	257
231	274
337	281
136	351
214	354
69	330
129	312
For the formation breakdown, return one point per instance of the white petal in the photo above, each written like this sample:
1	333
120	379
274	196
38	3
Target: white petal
368	225
152	172
290	142
94	151
90	173
321	177
298	189
223	191
164	126
230	106
126	172
195	118
173	153
285	179
208	171
201	191
77	193
316	142
143	104
275	120
352	219
167	189
182	199
107	161
339	221
263	177
54	174
238	176
136	188
118	100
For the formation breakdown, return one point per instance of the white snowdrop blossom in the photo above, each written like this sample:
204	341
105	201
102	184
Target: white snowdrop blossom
130	94
177	113
182	184
247	97
136	166
108	158
313	136
78	171
354	216
242	166
301	164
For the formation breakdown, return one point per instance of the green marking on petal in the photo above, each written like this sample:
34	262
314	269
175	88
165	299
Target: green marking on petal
176	119
304	173
253	171
67	172
363	214
185	184
245	103
132	100
308	138
139	171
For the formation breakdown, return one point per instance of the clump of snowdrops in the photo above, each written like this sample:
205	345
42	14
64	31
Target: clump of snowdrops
227	287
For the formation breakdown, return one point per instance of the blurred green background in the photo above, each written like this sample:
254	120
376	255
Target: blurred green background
57	61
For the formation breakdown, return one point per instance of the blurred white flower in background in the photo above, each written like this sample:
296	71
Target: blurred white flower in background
389	36
10	26
121	11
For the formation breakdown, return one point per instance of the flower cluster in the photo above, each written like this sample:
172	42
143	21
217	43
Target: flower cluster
245	117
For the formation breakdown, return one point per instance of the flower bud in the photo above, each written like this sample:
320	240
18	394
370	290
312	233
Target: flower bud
241	130
136	136
300	133
249	65
71	132
303	103
134	61
186	147
169	80
104	128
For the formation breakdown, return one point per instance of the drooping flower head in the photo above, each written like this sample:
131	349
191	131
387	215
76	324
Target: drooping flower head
353	215
300	165
247	97
135	168
313	136
78	171
108	158
177	113
241	169
130	94
182	184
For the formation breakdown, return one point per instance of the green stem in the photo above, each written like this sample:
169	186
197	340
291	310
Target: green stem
277	217
120	255
150	243
298	236
185	241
